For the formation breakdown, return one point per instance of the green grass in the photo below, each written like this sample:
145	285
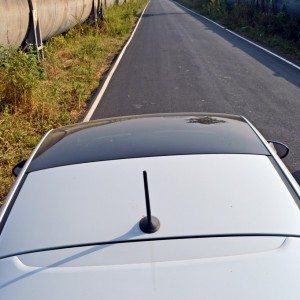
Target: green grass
35	97
278	31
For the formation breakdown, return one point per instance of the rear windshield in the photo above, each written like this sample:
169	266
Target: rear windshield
147	137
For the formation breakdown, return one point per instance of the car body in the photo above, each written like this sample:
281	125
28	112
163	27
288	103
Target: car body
227	206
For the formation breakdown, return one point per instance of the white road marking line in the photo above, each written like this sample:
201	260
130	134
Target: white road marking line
111	72
243	38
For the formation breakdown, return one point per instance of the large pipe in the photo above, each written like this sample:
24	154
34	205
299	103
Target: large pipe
14	21
55	17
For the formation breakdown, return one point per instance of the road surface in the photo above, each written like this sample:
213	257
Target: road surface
179	62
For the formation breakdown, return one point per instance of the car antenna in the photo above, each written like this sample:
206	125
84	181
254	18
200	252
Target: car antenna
148	224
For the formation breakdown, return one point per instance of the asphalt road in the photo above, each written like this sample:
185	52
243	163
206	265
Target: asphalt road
179	62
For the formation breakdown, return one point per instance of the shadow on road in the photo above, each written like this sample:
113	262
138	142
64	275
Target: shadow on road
280	68
147	15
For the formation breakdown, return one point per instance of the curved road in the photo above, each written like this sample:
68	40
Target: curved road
178	61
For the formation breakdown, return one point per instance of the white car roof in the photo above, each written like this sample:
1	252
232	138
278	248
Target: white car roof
215	194
219	268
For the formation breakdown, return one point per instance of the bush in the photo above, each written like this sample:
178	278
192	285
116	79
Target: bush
118	20
216	9
240	15
19	73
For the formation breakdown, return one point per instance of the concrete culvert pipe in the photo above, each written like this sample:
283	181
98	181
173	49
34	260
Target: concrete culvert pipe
14	21
55	17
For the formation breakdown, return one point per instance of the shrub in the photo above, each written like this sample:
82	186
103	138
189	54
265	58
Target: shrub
118	20
19	73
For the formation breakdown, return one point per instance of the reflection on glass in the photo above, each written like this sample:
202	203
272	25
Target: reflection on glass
205	120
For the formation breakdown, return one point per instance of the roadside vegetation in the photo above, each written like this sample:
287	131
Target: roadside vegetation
35	97
275	30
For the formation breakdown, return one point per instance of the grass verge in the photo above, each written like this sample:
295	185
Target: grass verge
35	97
273	30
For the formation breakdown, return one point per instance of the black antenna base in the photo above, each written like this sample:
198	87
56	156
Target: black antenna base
149	226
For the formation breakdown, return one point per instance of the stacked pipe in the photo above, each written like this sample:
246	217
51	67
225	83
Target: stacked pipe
55	17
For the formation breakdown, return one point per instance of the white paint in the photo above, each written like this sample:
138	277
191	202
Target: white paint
272	274
15	186
280	163
241	37
190	194
138	253
111	72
